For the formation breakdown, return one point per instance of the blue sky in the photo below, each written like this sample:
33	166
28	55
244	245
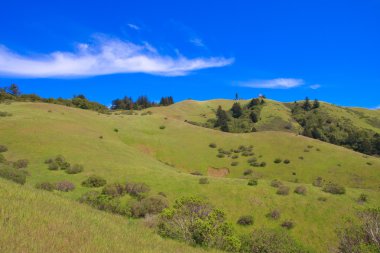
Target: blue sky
192	49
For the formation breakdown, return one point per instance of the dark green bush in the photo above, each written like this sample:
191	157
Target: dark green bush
287	224
105	203
283	190
300	190
53	166
64	186
149	205
247	172
5	114
363	198
114	190
59	162
318	182
116	130
235	156
245	220
162	127
252	160
196	173
75	169
47	186
21	164
334	188
136	189
212	145
252	182
2	159
277	160
3	148
94	181
220	155
286	161
274	215
276	183
17	176
234	163
270	241
196	222
204	180
263	164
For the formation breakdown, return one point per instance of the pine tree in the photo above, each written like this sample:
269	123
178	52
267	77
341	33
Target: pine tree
307	106
221	119
236	110
316	104
14	90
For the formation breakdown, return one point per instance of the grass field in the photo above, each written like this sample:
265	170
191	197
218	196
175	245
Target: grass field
163	158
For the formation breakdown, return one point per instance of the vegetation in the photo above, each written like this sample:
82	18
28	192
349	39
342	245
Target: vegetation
94	181
142	102
15	175
246	220
334	188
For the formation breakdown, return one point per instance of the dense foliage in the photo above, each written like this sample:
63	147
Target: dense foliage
142	102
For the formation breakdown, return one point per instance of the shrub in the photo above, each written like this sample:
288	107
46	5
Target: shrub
196	222
322	199
136	189
204	180
20	164
212	145
318	182
196	173
17	176
245	220
301	158
369	163
53	166
310	146
363	198
235	156
276	183
334	188
48	161
286	161
3	148
306	150
47	186
64	186
2	159
283	190
234	163
105	203
5	114
277	160
75	169
113	190
163	194
300	190
252	160
252	182
94	181
247	172
220	155
288	224
263	164
162	127
274	215
149	205
116	130
270	241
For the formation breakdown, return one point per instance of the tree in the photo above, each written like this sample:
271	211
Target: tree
221	120
14	90
254	117
316	104
165	101
236	110
306	105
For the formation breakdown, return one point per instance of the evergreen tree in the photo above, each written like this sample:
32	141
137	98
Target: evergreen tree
254	117
307	106
221	119
14	90
316	104
236	110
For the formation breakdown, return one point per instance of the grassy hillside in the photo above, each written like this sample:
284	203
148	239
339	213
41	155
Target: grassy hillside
140	151
37	221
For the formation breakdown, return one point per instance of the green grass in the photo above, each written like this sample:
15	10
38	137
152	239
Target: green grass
163	158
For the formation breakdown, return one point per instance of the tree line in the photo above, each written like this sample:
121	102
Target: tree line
142	102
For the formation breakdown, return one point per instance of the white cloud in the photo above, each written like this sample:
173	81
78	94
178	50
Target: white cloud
134	27
106	57
197	42
315	86
278	83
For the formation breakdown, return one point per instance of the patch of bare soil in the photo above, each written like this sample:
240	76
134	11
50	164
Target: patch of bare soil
218	172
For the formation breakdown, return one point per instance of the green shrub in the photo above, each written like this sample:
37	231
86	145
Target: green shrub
75	169
252	182
17	176
263	164
277	160
3	148
64	186
220	155
47	186
286	161
276	183
149	205
212	145
162	127
270	241
116	130
287	224
234	163
245	220
114	190
5	114
196	222
283	190
94	181
301	157
2	158
247	172
196	173
363	198
274	215
322	199
53	166
204	180
235	156
136	189
334	188
105	203
300	190
21	164
252	160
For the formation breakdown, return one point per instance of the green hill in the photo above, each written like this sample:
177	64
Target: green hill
161	149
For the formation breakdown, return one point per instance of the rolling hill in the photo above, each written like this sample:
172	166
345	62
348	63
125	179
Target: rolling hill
156	146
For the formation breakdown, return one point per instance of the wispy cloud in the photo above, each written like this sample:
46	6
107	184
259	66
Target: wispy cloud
197	42
277	83
133	26
315	86
107	56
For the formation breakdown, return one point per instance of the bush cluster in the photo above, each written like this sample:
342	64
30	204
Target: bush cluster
274	214
20	164
136	189
17	176
300	190
5	114
94	181
47	186
276	183
334	188
64	186
278	160
148	206
212	145
59	162
75	169
3	148
204	180
283	190
318	182
245	220
252	182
